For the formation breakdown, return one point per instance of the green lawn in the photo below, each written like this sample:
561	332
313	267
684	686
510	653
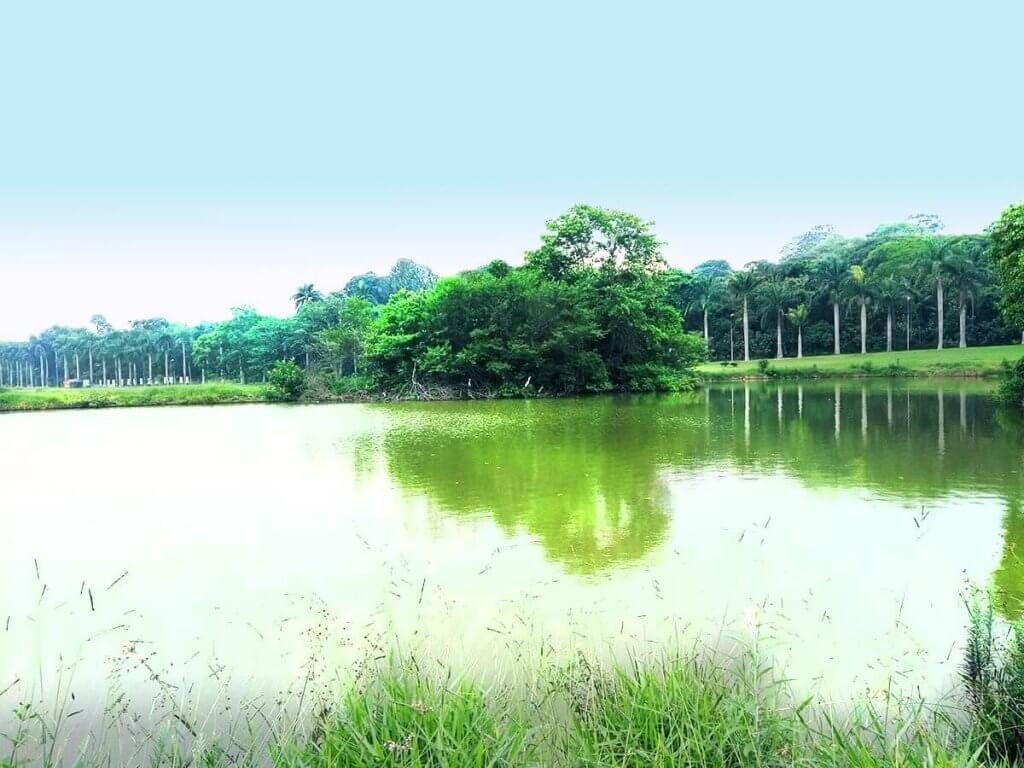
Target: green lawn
114	397
973	361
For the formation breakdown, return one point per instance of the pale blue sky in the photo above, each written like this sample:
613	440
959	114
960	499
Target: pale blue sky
180	158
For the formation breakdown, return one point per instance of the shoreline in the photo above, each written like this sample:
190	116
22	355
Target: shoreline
952	363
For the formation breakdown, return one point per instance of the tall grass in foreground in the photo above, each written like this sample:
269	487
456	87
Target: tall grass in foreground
993	675
405	717
695	709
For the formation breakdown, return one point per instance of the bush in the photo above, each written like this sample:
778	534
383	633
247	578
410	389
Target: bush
1011	390
287	380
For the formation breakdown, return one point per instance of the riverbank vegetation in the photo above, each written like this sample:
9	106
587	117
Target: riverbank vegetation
664	708
594	308
971	362
212	393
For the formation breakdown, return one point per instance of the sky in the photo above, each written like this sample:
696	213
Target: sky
179	159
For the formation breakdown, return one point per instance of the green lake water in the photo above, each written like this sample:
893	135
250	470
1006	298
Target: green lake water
256	550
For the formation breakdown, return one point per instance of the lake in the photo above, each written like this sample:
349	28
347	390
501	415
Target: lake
232	552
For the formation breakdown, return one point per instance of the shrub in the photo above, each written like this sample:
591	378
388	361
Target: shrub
287	380
1011	389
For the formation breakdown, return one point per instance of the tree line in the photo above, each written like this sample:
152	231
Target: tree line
594	308
903	286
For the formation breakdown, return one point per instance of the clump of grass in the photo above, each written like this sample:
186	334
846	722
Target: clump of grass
993	676
403	716
681	711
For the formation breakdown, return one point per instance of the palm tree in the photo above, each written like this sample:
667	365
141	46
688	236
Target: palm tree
861	291
833	276
305	295
965	275
742	286
798	317
890	293
934	262
776	296
911	294
705	290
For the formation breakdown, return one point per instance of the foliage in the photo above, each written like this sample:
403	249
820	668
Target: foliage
287	380
405	275
1011	387
594	309
590	312
1008	256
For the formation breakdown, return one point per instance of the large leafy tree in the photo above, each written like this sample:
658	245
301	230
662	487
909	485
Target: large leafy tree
586	238
1007	235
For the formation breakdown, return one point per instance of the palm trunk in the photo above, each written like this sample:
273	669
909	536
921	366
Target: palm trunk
938	308
705	325
167	364
104	371
778	334
746	332
799	341
90	368
835	325
78	370
150	356
963	320
863	326
908	325
888	330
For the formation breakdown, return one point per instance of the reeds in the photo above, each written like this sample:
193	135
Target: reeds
697	709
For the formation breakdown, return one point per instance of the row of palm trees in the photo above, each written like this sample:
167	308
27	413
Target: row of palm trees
939	265
151	351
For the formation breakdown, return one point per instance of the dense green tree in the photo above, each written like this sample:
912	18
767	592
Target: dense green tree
1007	235
405	275
587	238
713	268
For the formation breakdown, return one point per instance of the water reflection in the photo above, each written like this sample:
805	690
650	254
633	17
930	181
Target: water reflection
587	478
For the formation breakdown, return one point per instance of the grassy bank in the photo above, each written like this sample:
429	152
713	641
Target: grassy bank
973	361
693	708
128	397
672	710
